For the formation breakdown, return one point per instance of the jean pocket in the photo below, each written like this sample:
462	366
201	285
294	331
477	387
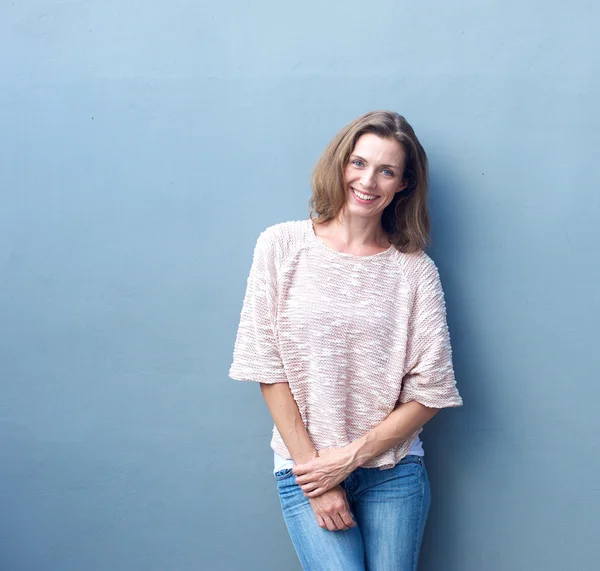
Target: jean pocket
412	459
283	474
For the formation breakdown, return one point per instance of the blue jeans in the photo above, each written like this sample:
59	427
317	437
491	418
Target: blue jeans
389	506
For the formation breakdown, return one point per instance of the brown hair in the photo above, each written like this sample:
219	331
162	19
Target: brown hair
405	219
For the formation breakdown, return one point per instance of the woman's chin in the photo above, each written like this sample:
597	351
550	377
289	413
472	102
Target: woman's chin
355	208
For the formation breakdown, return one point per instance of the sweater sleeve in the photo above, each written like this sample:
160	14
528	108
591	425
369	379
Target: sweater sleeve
429	377
256	354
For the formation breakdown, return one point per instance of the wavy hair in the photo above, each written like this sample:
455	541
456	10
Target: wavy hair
405	219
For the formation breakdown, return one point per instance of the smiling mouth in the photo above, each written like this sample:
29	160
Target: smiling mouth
363	196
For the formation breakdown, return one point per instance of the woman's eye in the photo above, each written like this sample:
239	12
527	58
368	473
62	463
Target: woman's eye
357	163
388	172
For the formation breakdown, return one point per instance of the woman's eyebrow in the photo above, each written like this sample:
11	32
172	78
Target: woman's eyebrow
365	161
353	156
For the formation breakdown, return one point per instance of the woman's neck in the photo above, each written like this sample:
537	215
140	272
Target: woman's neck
354	235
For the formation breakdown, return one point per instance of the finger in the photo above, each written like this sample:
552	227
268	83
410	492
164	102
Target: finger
339	522
331	526
305	479
309	487
347	518
299	469
320	489
320	521
317	492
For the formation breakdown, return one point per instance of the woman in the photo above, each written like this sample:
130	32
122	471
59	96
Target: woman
344	327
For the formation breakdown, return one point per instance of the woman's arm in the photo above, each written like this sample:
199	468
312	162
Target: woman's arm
332	466
285	413
331	508
399	426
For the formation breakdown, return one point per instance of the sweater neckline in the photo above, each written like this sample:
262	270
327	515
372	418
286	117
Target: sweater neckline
324	247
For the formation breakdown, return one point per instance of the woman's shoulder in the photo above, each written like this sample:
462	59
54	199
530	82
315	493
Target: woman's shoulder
287	230
284	237
286	233
418	267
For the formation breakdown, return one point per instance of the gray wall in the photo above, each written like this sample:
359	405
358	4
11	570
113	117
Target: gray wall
143	147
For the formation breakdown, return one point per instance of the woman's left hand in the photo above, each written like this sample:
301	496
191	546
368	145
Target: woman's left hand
332	466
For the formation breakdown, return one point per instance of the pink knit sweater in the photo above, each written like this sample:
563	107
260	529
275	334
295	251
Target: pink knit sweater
352	335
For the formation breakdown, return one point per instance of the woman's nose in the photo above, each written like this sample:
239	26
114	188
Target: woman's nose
368	179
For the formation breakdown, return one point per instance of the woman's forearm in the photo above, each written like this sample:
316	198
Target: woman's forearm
285	413
333	465
400	425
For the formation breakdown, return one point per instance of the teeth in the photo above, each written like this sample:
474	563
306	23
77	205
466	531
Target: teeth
363	196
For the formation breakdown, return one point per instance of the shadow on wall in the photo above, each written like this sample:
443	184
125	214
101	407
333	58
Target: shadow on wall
454	448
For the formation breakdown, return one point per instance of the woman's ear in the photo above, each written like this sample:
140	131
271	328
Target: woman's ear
402	186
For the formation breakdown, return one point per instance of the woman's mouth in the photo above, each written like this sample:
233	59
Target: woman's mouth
362	196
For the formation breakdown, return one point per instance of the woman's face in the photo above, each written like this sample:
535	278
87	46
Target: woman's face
373	175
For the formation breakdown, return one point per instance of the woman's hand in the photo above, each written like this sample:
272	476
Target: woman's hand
332	510
332	466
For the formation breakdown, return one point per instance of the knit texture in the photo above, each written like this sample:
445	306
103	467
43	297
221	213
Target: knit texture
352	335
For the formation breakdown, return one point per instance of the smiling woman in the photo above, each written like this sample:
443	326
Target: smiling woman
375	180
344	327
405	219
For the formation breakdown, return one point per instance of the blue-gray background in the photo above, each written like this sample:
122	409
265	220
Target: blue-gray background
144	146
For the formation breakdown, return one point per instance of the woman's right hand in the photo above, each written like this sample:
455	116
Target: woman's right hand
332	510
